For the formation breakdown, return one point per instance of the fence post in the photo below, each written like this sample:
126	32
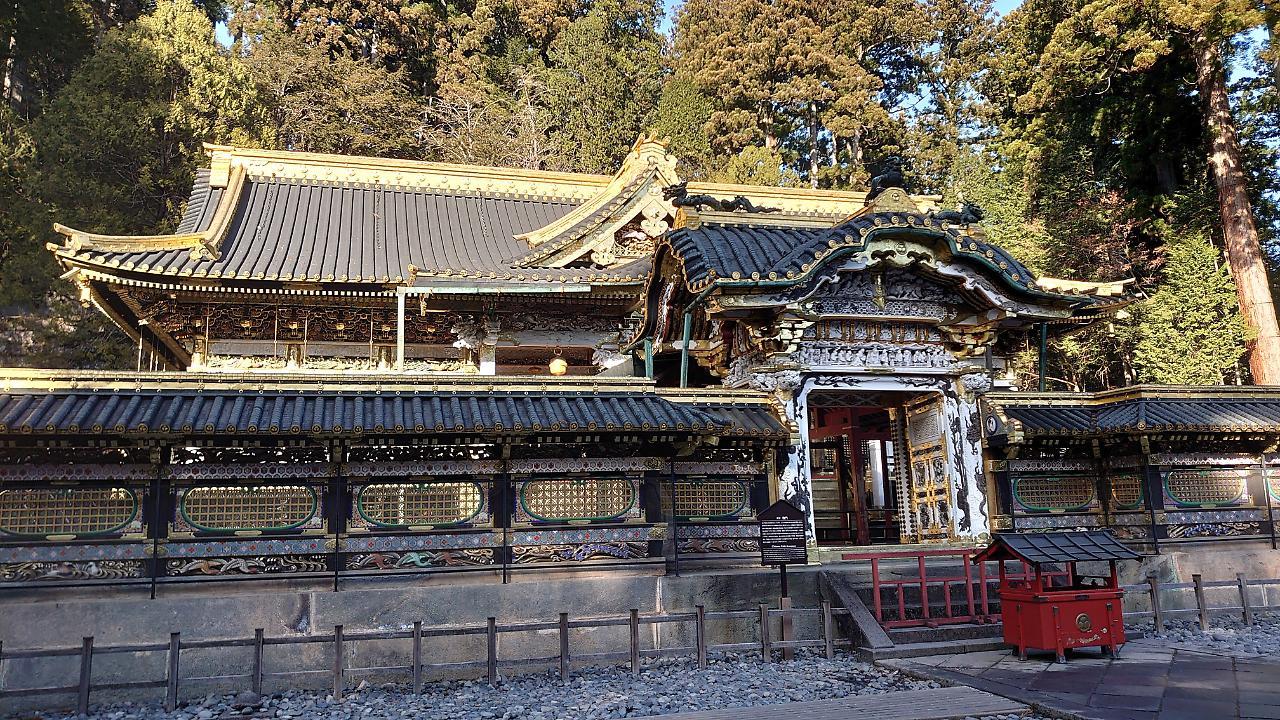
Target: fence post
828	642
1200	604
700	630
788	626
171	684
1244	598
417	657
1156	615
766	654
924	593
635	641
492	651
564	648
258	647
339	653
86	672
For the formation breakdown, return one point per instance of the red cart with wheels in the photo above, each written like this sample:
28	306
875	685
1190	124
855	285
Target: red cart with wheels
1082	611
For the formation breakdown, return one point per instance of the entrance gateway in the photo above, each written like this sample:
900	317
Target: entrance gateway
875	333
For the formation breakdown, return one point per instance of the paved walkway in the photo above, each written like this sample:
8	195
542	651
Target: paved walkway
1149	681
937	704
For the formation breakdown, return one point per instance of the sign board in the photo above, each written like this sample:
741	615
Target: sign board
782	535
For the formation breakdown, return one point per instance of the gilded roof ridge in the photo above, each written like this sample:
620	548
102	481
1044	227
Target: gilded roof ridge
229	154
203	245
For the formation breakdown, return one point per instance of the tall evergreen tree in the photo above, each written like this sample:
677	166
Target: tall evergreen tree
603	82
1106	39
1190	331
118	147
316	102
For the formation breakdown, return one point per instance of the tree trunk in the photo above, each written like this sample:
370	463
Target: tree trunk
1240	234
815	152
1272	13
857	159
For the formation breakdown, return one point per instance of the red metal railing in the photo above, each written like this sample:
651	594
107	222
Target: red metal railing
974	581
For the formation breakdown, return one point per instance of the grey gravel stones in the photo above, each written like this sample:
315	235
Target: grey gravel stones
1227	635
664	686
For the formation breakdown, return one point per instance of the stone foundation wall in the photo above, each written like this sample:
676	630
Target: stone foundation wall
221	611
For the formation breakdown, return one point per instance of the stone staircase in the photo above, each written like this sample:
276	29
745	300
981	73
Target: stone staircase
852	590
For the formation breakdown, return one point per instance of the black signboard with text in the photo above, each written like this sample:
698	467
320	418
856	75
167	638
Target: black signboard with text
782	535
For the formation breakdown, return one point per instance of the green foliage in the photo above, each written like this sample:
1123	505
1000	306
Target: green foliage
1190	332
756	166
315	102
118	147
603	82
682	116
1004	197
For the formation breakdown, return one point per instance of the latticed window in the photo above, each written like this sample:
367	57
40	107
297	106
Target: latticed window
578	499
254	507
707	499
400	504
66	511
824	460
1055	493
1206	487
1126	491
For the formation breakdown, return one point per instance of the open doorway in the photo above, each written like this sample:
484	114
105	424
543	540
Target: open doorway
878	467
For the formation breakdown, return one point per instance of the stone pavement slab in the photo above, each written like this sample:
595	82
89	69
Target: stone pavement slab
1148	681
933	704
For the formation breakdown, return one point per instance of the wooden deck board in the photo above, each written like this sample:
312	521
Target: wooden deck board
934	704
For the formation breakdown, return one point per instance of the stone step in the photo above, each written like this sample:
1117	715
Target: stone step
921	649
964	631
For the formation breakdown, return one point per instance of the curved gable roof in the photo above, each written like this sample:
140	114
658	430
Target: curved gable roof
758	254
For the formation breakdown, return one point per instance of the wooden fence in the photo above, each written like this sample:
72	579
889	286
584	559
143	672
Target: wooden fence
1153	589
762	617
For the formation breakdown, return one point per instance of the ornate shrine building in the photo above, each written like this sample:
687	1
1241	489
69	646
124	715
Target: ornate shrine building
355	366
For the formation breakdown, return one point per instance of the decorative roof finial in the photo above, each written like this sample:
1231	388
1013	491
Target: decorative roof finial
890	177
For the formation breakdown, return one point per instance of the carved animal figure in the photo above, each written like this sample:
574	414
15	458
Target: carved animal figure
890	178
968	214
679	196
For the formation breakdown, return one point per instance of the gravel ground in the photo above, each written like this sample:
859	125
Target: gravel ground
1227	635
664	686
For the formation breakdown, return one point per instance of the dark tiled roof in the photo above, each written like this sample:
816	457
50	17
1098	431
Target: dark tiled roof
326	232
756	420
757	252
1056	547
1147	413
224	411
199	211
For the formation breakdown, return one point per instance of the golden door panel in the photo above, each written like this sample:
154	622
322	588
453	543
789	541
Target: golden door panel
930	480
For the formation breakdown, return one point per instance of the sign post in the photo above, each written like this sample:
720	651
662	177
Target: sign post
782	537
782	542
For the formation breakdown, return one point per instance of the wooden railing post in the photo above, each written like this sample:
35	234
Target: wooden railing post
828	642
766	652
787	628
86	672
1245	610
259	645
417	658
171	678
1198	581
339	656
1156	616
564	648
492	651
700	633
635	641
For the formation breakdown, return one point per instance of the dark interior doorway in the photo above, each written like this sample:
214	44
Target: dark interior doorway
856	451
